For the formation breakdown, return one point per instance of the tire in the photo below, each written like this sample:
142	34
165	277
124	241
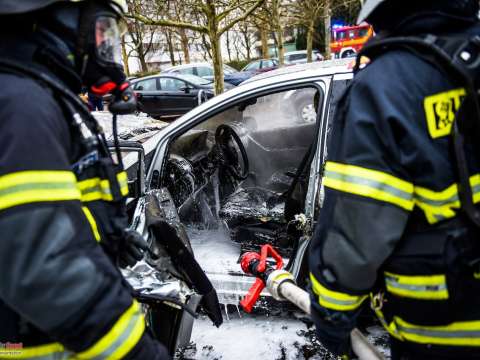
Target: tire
348	53
306	113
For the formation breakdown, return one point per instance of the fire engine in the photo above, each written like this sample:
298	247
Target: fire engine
348	40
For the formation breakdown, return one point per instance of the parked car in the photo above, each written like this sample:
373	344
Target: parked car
230	175
262	65
171	95
205	70
300	57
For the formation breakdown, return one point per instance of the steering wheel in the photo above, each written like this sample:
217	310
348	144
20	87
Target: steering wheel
224	136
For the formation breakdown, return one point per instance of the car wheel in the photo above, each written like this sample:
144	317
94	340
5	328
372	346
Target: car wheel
306	111
348	53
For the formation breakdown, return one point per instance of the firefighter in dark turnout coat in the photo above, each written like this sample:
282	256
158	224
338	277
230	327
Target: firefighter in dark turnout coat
391	233
62	198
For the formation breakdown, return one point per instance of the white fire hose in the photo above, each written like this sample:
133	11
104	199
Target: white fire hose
281	285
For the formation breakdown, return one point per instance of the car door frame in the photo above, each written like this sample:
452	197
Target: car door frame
166	136
183	100
151	96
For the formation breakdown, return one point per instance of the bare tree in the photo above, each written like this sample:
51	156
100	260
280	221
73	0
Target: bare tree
217	17
140	37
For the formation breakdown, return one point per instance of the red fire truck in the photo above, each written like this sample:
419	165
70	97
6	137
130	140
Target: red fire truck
348	40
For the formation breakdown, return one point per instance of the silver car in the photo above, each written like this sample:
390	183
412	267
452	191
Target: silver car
300	57
231	175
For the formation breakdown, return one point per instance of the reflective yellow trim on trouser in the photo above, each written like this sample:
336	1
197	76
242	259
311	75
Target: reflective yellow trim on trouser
464	333
121	338
424	287
369	183
335	300
53	351
93	223
99	189
37	186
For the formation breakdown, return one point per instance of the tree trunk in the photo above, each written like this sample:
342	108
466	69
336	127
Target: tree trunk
125	57
217	63
216	45
185	48
281	48
141	57
327	23
264	41
310	31
171	49
279	32
229	51
248	44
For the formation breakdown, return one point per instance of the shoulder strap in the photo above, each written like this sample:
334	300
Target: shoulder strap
459	58
81	117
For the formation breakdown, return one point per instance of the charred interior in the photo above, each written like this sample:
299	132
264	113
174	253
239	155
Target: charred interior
238	179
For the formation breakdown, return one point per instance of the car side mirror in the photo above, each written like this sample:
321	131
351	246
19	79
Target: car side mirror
140	88
186	89
133	155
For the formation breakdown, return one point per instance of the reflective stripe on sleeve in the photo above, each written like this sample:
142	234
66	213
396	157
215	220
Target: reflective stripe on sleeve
93	223
117	343
335	300
37	186
436	205
120	339
441	205
369	183
432	287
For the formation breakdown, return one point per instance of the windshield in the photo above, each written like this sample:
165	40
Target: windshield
228	69
195	80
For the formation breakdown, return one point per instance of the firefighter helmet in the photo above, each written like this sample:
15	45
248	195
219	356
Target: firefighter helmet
461	8
11	7
368	8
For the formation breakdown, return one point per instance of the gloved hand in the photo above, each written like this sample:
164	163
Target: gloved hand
132	250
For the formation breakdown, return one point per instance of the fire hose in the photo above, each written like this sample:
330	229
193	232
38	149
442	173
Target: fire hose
281	285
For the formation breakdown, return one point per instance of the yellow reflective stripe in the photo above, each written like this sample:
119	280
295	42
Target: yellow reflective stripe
123	182
93	223
432	287
49	351
440	205
369	183
99	189
335	300
464	333
121	338
95	189
37	186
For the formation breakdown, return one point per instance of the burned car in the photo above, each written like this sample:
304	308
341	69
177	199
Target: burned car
235	173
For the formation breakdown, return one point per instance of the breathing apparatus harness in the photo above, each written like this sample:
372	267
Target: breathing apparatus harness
93	141
459	58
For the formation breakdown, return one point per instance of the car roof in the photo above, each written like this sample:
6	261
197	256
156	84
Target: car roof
186	66
300	52
160	75
328	67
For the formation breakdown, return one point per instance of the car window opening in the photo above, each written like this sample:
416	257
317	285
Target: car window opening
231	176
